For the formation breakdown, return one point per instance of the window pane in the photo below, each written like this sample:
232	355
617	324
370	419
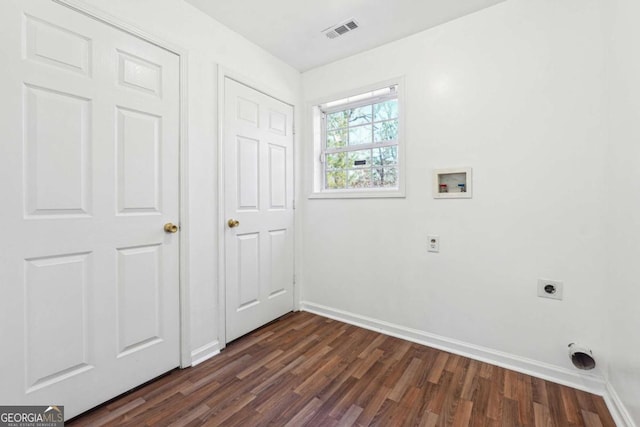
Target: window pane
347	165
337	120
386	110
337	138
385	131
359	159
385	177
360	135
359	116
385	156
336	180
336	161
359	178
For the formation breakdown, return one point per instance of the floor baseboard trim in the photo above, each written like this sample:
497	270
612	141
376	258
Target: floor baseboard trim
589	383
205	352
617	409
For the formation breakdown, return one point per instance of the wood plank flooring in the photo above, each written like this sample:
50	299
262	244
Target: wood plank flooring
306	370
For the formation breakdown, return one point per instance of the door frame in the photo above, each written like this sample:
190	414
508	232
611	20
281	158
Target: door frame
183	187
223	74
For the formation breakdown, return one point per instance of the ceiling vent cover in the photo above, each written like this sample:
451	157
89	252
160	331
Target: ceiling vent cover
341	29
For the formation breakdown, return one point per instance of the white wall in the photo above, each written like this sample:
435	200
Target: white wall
623	289
208	44
517	92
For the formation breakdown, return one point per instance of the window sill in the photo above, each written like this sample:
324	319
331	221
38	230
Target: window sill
367	194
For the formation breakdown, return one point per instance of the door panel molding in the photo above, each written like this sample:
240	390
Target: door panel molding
131	29
64	234
224	73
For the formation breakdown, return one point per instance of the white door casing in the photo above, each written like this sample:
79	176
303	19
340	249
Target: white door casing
90	174
258	193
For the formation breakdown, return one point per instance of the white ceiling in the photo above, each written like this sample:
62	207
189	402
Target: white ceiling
292	29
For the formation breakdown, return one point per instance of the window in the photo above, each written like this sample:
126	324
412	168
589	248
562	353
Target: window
359	144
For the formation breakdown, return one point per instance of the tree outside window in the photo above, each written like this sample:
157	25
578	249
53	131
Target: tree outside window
360	148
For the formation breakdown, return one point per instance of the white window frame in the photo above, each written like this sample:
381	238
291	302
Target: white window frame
318	126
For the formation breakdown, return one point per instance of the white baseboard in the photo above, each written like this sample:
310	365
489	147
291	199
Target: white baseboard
586	382
618	411
205	352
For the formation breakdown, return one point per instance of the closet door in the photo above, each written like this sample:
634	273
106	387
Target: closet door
90	172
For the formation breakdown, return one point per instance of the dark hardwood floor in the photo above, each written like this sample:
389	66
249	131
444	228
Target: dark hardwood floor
305	369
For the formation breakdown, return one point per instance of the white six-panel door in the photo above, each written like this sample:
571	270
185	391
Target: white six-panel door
89	175
258	189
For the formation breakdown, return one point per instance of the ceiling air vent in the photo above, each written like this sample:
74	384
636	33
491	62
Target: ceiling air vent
341	29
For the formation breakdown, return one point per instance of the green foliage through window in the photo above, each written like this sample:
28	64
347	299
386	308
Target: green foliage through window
361	147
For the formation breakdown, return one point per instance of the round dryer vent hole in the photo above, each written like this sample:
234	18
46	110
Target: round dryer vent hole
581	357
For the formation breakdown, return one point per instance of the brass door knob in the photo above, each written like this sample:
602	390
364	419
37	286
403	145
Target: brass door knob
233	223
170	228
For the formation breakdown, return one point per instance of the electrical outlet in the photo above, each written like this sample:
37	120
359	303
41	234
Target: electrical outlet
433	243
550	289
